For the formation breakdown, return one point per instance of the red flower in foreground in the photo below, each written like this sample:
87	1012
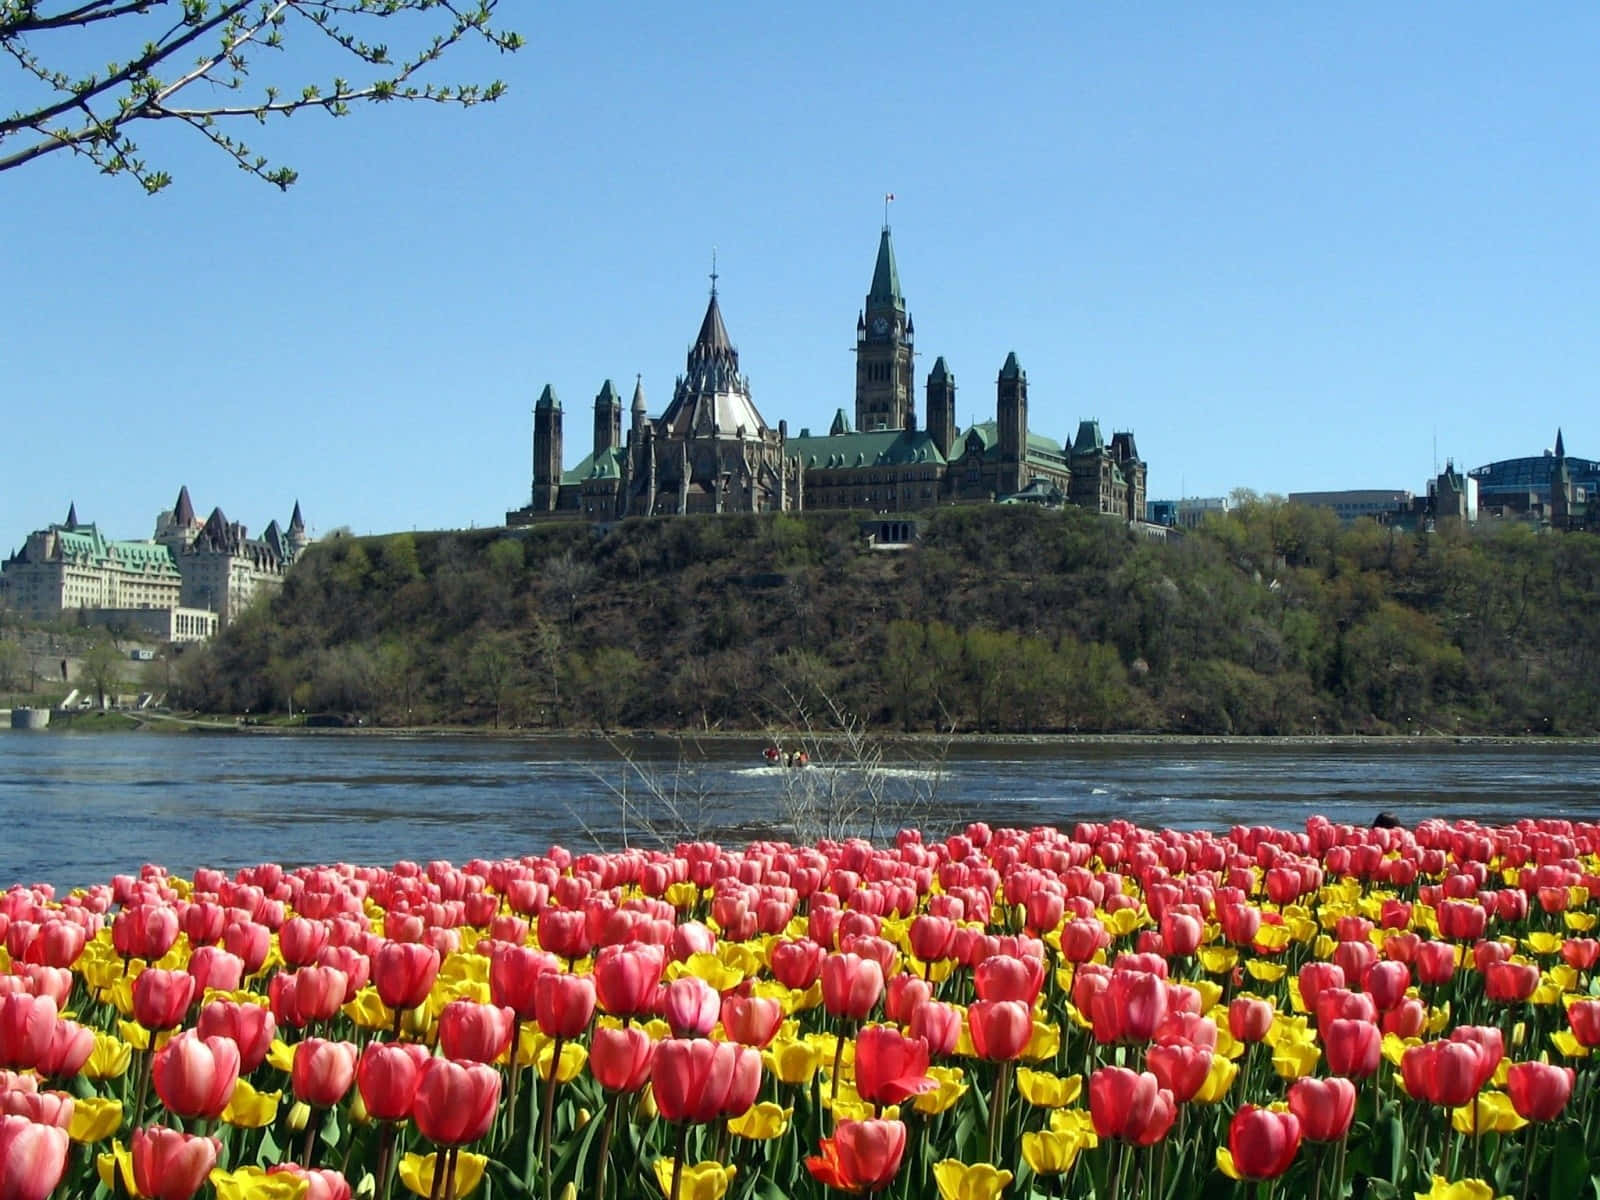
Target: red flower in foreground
32	1158
1539	1091
168	1165
456	1102
1263	1143
1325	1107
387	1075
1130	1105
698	1080
890	1067
861	1156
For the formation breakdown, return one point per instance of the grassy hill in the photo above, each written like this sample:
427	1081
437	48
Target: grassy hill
1272	620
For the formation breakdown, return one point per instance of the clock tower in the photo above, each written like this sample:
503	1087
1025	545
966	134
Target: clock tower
884	350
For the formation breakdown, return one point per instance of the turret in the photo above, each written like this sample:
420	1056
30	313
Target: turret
942	406
640	413
546	449
1011	416
607	420
296	539
884	355
1560	487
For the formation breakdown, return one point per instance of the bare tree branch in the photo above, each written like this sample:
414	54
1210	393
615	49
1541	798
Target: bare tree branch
244	29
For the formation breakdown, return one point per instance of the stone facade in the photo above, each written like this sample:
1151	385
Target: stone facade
190	567
712	452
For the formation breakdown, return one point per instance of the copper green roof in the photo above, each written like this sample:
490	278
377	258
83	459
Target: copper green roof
608	396
1012	369
85	544
1089	438
606	465
1040	448
884	448
885	276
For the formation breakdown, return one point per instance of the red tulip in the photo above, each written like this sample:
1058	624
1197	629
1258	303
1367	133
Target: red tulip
1130	1105
1386	982
1263	1142
626	978
797	963
851	985
250	1026
1444	1073
1180	1068
691	1006
146	931
1131	1007
403	973
42	1108
1325	1107
214	969
70	1046
697	1080
1581	954
33	1158
563	1004
1249	1018
1082	938
60	942
1003	977
932	938
250	941
1314	977
1539	1091
564	931
513	971
1461	921
1582	1015
161	998
300	941
1001	1029
1354	1048
1436	962
1180	933
1406	1020
310	994
323	1182
195	1076
473	1032
455	1102
890	1067
323	1071
621	1059
1490	1042
861	1156
752	1020
938	1024
387	1075
168	1165
1509	982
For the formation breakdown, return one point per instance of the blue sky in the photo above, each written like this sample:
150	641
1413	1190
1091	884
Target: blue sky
1291	247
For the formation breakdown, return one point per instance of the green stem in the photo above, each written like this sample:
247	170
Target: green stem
606	1130
1527	1170
677	1162
450	1176
549	1114
385	1152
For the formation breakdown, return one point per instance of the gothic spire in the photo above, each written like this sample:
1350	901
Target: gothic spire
1561	449
885	276
183	509
712	342
638	394
296	522
72	515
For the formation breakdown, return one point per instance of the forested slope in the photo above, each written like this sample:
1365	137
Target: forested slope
1273	620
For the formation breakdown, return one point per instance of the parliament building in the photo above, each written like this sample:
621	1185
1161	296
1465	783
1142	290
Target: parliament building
711	450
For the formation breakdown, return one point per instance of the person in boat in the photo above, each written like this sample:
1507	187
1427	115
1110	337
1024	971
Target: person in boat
773	755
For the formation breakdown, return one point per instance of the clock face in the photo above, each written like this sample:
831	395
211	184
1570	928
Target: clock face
880	324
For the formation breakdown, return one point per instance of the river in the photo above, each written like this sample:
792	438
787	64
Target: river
79	808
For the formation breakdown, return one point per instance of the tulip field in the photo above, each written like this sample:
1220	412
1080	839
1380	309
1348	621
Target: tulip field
1109	1011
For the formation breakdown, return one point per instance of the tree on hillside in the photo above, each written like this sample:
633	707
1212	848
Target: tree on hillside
102	670
190	63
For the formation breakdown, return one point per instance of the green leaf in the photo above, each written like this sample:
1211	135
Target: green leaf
330	1131
1569	1163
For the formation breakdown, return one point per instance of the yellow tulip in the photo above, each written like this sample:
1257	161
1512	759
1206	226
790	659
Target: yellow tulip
978	1181
743	958
1044	1042
1568	1044
1579	922
250	1109
1210	992
1076	1017
1218	1080
1324	947
657	1029
416	1172
712	969
952	1086
1395	1047
792	1060
240	997
1048	1091
139	1038
368	1011
1049	1152
1263	971
1225	1163
109	1059
1292	1058
1273	937
1077	1122
1544	942
1289	1028
1462	1189
1577	896
116	1162
1119	924
299	1116
1438	1019
1218	960
253	1183
682	895
762	1123
702	1181
538	1048
280	1056
1492	1113
463	966
94	1118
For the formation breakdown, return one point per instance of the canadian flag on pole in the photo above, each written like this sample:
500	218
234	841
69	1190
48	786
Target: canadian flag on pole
888	196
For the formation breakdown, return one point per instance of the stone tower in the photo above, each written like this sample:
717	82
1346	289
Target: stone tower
296	540
546	450
607	420
640	413
884	350
1011	418
942	407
